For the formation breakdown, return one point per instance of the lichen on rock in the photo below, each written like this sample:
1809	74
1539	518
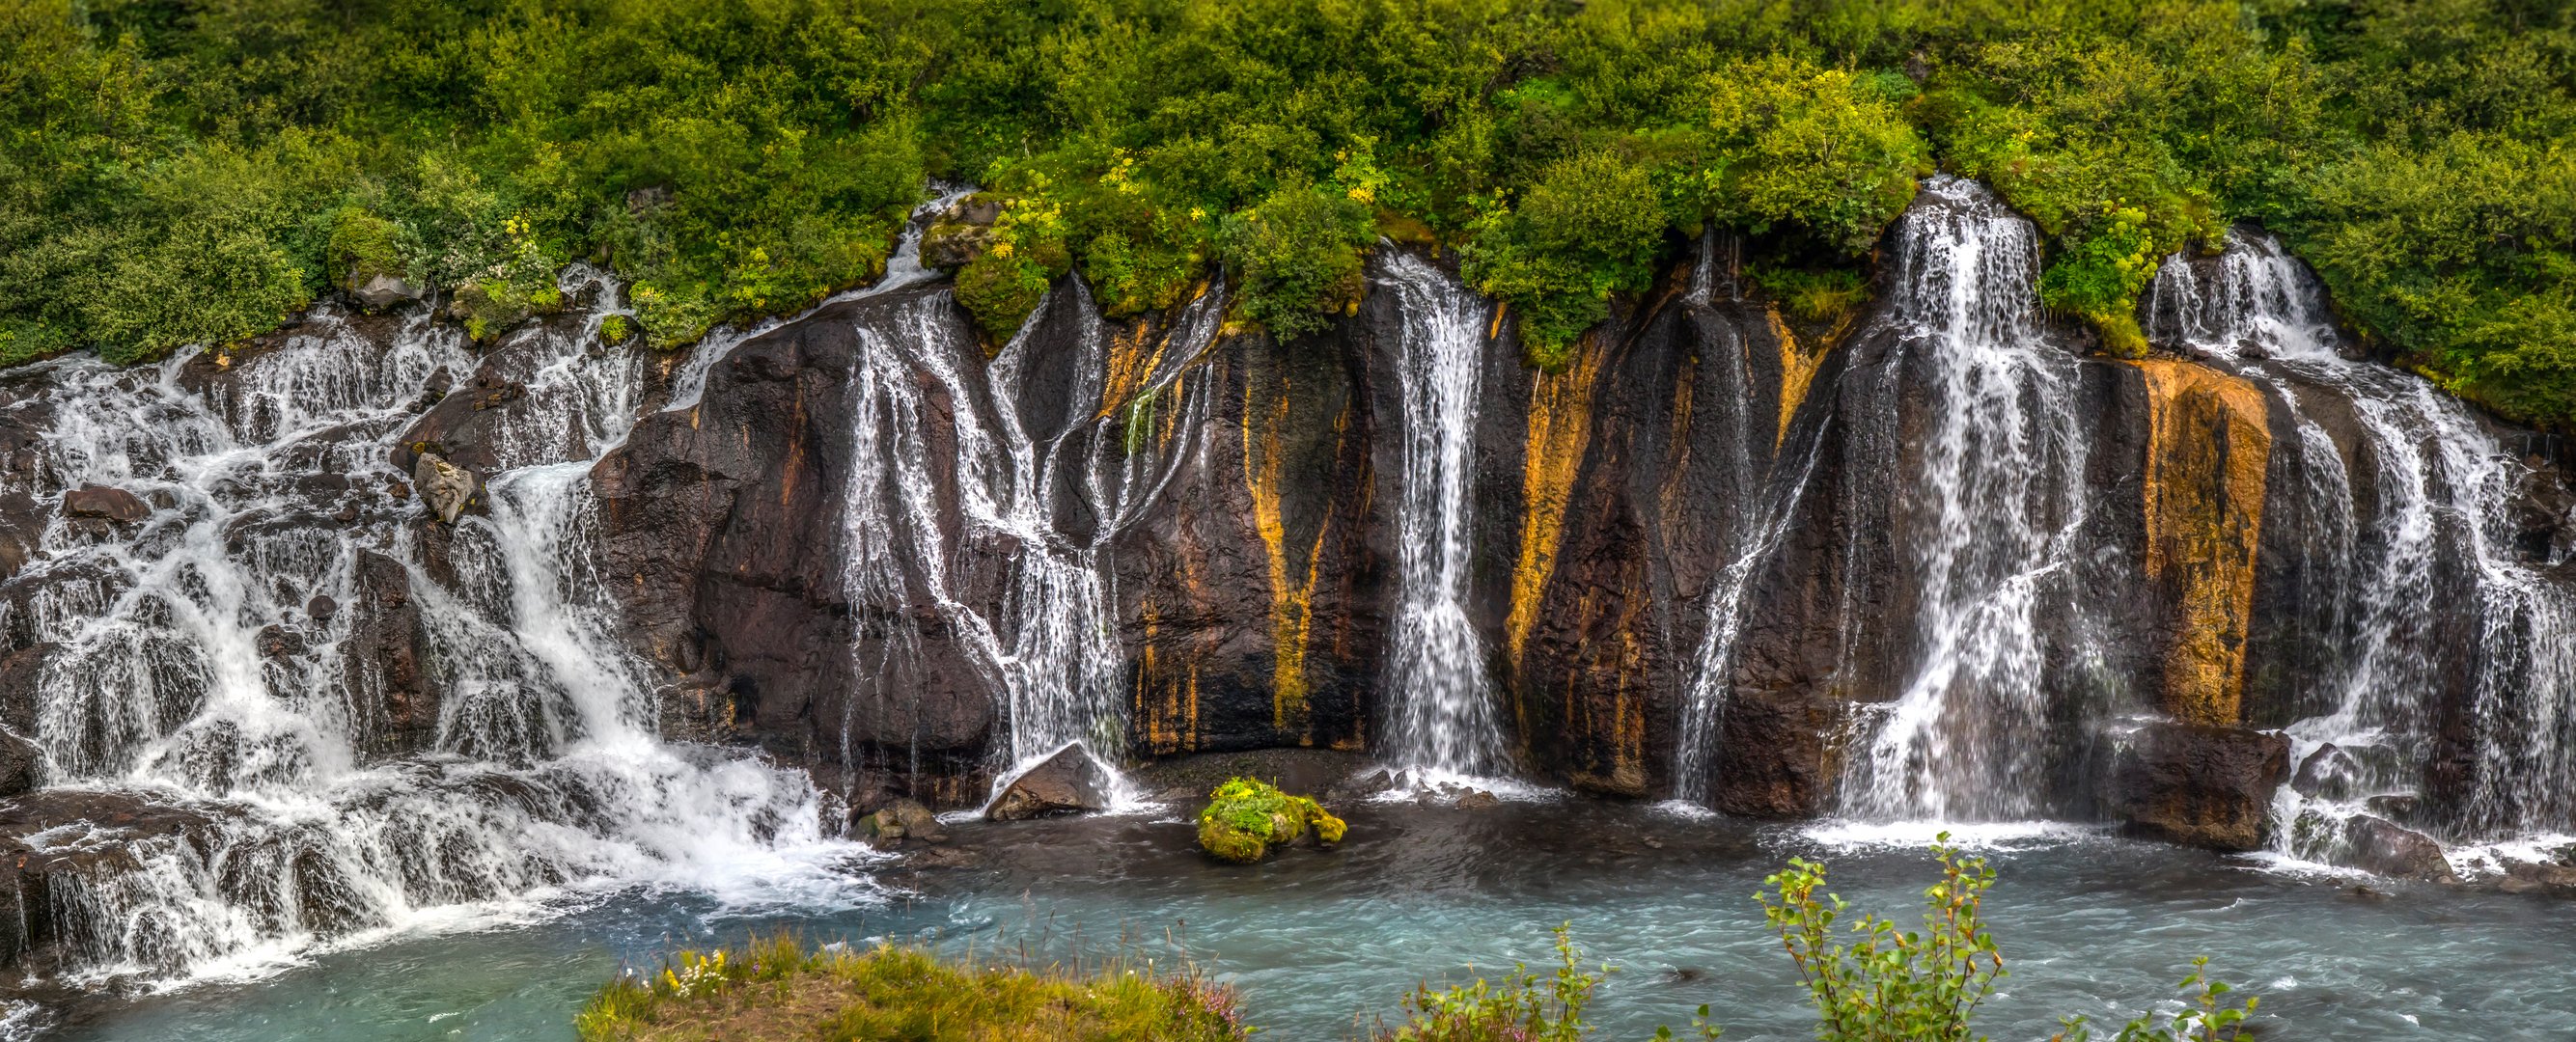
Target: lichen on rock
1246	818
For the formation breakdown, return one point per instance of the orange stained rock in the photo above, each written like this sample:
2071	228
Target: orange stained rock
2209	441
1292	610
1560	426
1130	363
1797	372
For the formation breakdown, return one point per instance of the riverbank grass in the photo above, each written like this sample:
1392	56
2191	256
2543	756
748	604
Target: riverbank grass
777	989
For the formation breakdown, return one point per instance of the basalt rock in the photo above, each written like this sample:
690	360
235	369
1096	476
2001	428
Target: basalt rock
101	501
1068	782
2377	845
722	533
385	291
2199	786
394	705
448	489
21	765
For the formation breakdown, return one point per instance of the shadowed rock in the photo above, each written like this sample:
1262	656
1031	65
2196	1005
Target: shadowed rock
2200	786
1066	783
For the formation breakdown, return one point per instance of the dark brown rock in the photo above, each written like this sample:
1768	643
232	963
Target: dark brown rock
2530	876
2328	772
722	535
395	707
21	765
2378	845
1068	782
2199	786
101	501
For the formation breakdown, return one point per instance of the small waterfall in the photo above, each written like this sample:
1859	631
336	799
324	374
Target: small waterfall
1990	512
1441	711
2416	529
1047	648
209	666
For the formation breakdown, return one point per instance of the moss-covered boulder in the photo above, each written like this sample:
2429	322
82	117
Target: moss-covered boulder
1245	819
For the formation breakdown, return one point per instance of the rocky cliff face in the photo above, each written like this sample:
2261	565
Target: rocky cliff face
1901	565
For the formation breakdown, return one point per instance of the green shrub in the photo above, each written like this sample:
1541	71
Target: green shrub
1245	818
1812	296
1299	255
167	181
1589	227
363	247
1515	1008
1891	985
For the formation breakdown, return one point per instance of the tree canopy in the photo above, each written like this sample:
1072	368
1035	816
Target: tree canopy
176	172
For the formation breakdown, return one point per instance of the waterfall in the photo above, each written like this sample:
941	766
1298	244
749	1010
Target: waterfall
210	664
1045	644
2417	527
1989	502
1441	711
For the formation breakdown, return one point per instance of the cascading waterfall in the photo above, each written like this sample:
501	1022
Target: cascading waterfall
2422	520
1441	711
204	661
1753	537
1991	513
1048	648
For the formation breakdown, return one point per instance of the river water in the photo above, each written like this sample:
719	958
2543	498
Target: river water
2089	923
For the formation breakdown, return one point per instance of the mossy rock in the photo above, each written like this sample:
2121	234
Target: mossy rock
1245	819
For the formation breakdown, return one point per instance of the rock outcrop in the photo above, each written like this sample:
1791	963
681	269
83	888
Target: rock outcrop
2199	786
1068	782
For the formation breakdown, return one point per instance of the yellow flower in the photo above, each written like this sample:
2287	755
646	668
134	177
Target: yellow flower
1002	249
1363	194
1197	214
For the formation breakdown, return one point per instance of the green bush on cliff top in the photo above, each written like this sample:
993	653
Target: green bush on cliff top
1245	818
175	173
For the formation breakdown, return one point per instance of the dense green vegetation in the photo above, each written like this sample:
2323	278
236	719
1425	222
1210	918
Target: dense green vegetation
177	172
776	988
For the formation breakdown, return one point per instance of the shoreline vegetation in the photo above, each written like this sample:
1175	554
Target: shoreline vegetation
1869	980
184	172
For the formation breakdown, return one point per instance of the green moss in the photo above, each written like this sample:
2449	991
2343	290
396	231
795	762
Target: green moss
775	988
1246	818
1812	296
615	329
363	246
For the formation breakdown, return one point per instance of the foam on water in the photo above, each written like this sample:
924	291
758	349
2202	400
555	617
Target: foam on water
186	671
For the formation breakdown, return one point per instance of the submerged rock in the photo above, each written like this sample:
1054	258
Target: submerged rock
2200	786
2378	845
1065	783
902	820
2532	876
